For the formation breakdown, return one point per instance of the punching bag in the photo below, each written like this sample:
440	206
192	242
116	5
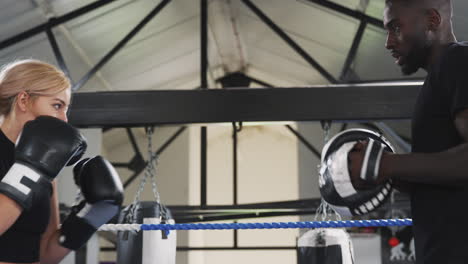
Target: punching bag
325	246
146	247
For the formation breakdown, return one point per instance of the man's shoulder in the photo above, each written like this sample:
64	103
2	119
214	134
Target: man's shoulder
457	50
455	56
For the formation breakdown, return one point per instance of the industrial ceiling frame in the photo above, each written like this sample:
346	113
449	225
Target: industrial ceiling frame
150	108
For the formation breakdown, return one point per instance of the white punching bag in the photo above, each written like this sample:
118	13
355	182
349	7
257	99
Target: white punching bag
325	246
159	247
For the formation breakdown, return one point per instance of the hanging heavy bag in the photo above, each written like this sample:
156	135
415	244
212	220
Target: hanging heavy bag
146	247
325	246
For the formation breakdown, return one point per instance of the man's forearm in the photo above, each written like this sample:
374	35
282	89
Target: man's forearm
449	167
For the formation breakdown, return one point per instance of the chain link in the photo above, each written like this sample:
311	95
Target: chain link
153	159
325	211
326	125
150	172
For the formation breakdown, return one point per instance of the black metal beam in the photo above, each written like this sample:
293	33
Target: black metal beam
296	47
133	142
170	140
120	45
235	130
133	177
294	204
204	44
233	248
188	214
300	137
264	84
257	81
58	54
159	151
236	214
353	50
289	208
343	127
120	164
295	132
53	22
203	166
224	217
304	141
204	86
387	81
334	102
349	12
112	249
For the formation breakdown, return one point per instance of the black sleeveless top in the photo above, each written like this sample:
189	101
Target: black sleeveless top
21	242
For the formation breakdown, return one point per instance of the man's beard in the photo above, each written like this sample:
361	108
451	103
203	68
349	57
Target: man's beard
416	57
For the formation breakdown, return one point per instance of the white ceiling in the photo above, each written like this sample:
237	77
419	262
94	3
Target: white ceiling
166	53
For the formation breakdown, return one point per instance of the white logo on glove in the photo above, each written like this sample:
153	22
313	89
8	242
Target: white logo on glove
16	174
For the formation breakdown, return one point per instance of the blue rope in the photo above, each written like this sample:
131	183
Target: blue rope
280	225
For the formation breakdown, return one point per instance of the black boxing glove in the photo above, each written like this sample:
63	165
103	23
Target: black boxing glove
103	195
45	146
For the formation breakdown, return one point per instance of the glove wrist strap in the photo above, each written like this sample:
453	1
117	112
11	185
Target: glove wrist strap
75	232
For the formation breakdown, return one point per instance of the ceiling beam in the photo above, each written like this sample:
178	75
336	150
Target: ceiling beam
331	102
53	22
348	11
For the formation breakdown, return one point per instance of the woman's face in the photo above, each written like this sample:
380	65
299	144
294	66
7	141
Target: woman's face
55	105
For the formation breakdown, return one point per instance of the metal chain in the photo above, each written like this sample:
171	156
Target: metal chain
324	210
150	172
153	159
140	189
131	211
326	125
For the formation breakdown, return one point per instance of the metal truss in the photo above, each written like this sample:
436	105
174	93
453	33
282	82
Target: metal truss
347	103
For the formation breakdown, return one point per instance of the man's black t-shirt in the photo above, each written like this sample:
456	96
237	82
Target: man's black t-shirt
21	242
439	212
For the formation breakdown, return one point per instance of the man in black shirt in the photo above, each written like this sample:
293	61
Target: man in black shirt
420	35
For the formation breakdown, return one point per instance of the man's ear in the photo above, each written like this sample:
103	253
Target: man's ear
434	19
22	101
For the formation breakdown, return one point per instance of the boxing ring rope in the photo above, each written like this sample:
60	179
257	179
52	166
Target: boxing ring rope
273	225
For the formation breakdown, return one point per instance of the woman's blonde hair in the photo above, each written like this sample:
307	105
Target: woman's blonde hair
35	77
